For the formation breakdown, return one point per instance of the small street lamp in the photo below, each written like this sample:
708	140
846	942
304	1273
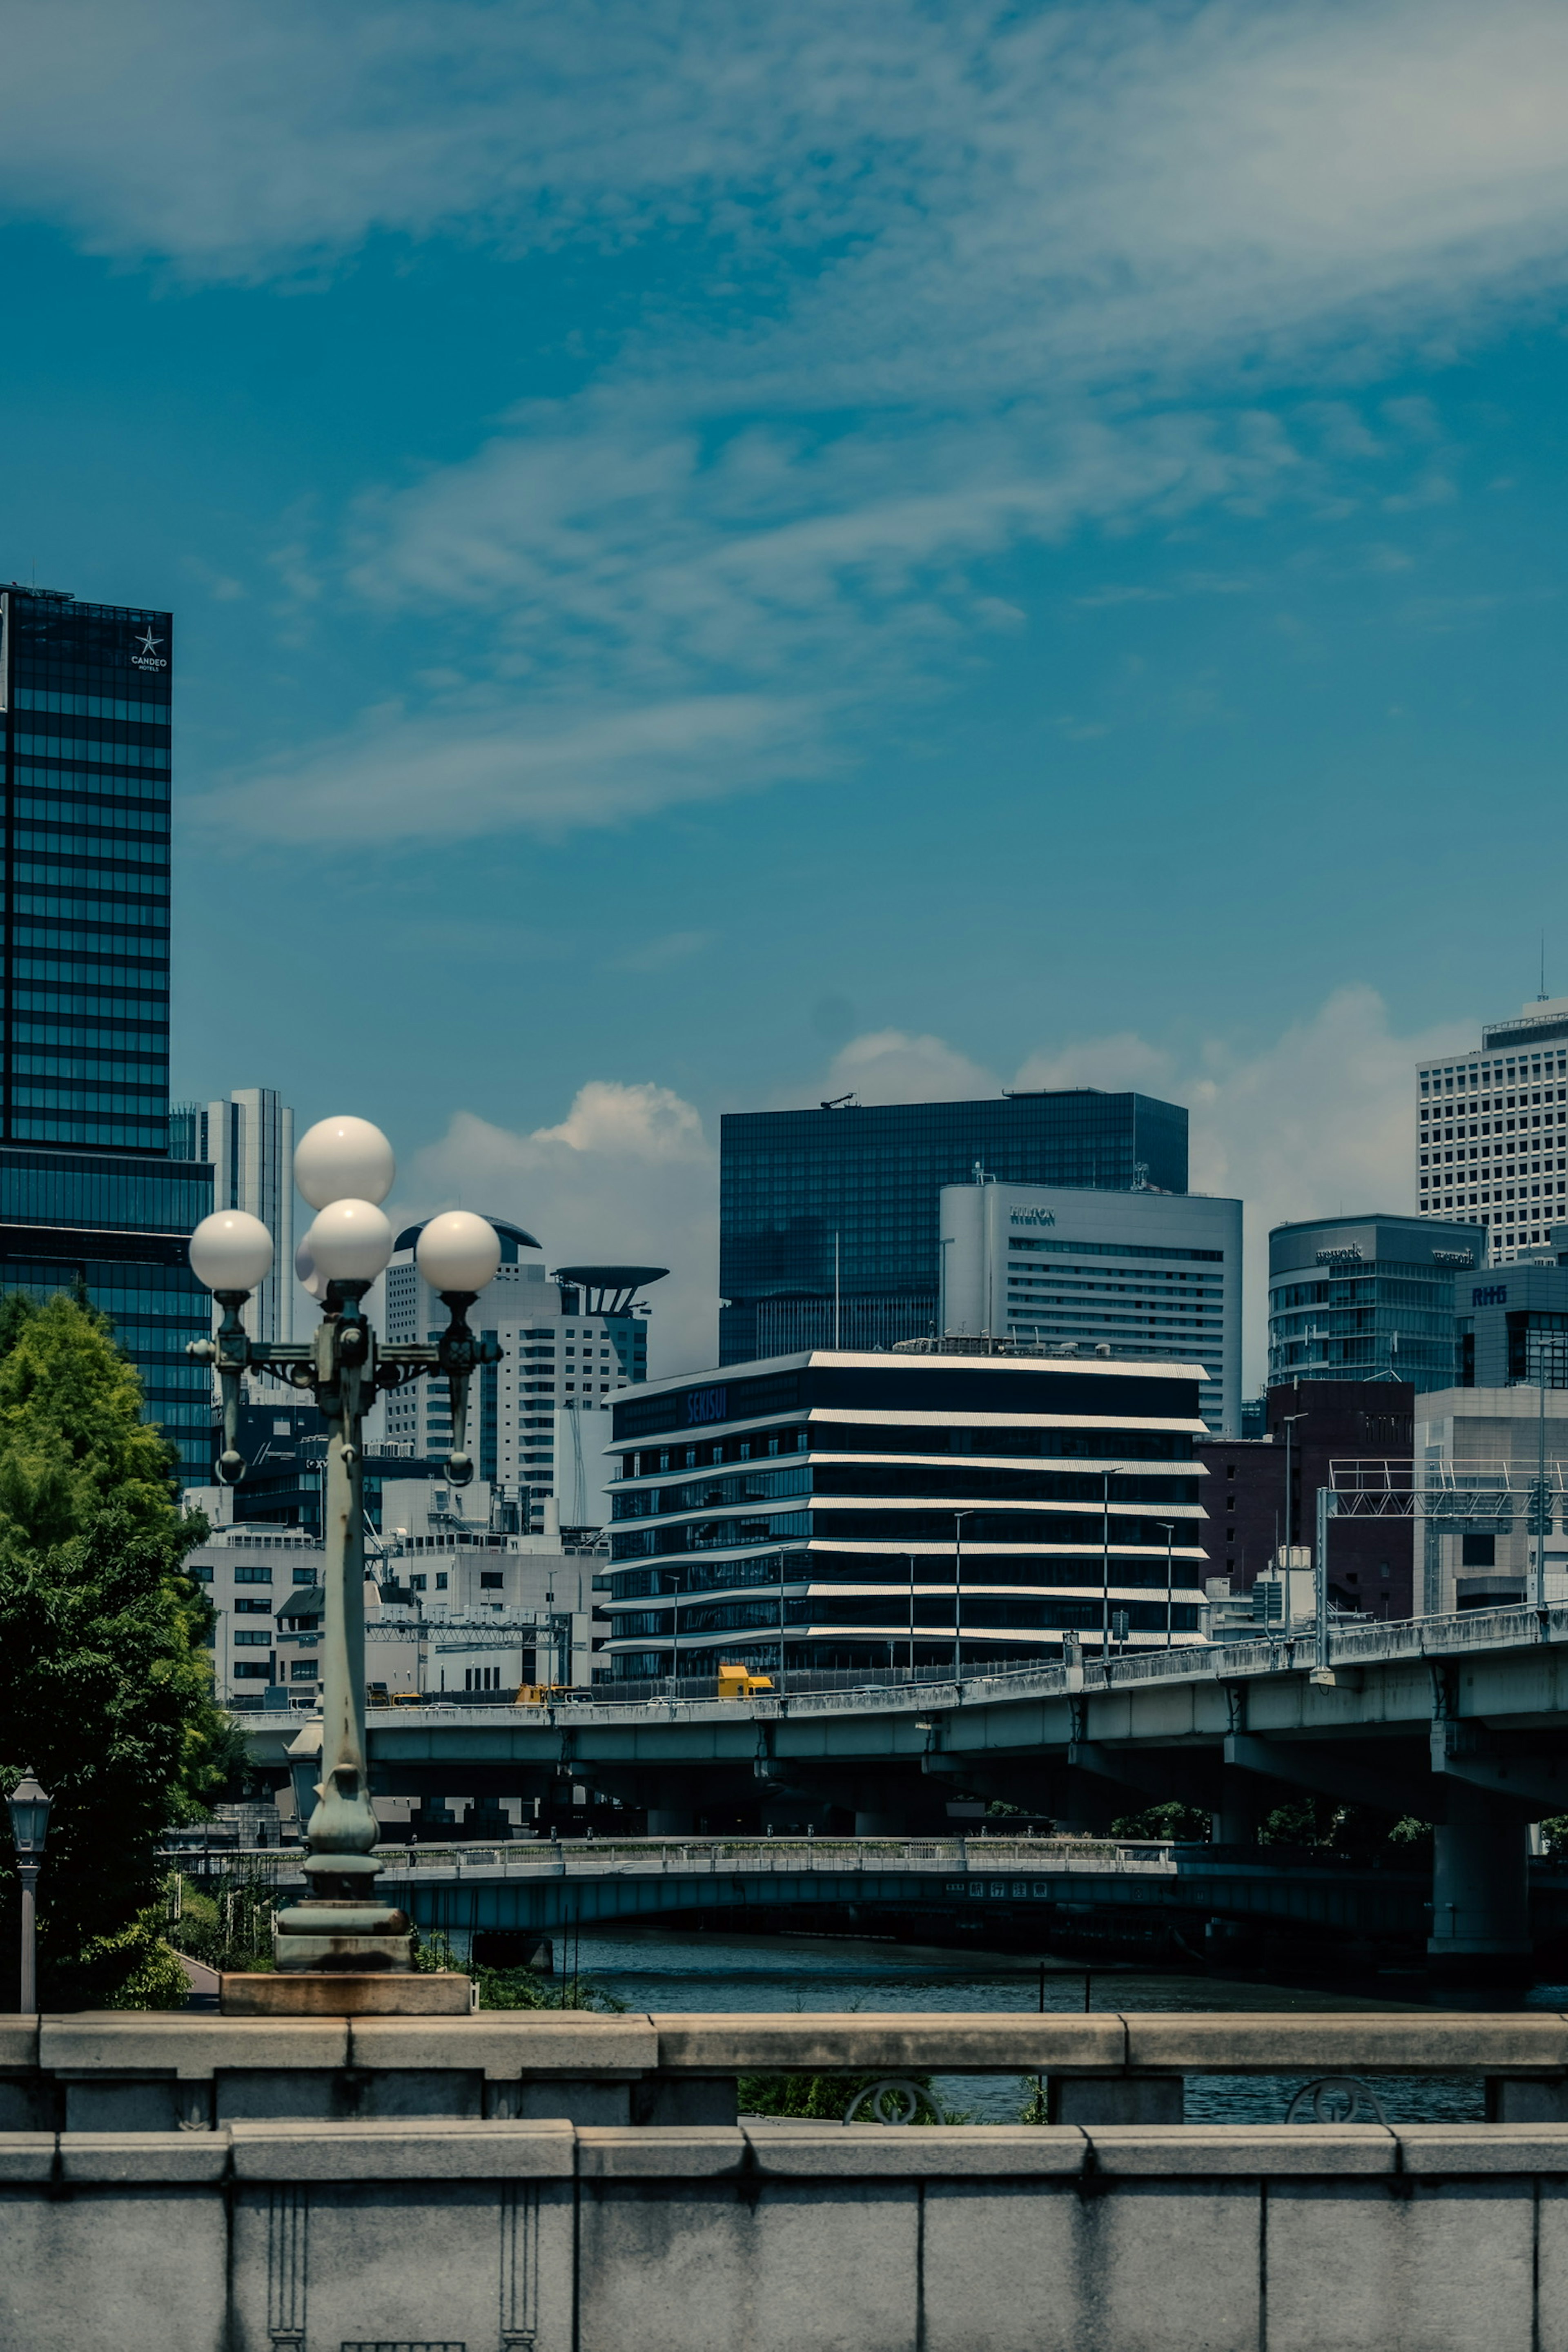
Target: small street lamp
29	1827
345	1168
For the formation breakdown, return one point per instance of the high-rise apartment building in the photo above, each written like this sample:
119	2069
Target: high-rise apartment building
1368	1299
1492	1130
829	1218
571	1341
88	1191
249	1142
1139	1274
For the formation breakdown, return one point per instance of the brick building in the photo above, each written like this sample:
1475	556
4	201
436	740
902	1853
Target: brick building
1371	1561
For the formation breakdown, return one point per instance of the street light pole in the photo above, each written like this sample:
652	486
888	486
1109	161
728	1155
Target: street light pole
29	1809
1287	1422
958	1519
344	1167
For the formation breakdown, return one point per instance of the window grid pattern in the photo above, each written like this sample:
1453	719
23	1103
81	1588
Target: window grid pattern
814	1202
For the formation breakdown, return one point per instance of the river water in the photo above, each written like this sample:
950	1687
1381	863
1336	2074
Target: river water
660	1969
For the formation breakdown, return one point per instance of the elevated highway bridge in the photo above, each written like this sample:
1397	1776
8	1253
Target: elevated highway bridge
1458	1721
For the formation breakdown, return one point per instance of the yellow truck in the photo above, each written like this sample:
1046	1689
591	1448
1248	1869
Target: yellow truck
739	1682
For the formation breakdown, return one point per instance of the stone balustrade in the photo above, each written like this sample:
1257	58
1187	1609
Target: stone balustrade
144	2072
448	2235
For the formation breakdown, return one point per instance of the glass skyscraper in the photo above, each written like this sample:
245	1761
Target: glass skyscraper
828	1219
88	1193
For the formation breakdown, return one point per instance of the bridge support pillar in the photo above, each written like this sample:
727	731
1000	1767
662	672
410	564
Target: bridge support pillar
1480	1906
1238	1809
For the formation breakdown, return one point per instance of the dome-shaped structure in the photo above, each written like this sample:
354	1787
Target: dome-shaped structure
512	1238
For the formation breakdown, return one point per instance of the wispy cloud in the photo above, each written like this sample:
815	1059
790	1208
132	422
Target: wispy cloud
450	774
991	278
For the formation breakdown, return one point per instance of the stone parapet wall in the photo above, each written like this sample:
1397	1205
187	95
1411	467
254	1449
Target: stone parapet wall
497	2236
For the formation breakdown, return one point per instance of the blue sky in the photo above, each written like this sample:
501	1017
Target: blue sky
724	554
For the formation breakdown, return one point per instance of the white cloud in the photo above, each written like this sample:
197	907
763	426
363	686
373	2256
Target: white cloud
450	773
1025	254
887	1066
1317	1121
628	1177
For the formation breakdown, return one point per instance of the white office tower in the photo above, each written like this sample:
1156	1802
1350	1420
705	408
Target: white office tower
250	1140
572	1340
1491	1130
1140	1274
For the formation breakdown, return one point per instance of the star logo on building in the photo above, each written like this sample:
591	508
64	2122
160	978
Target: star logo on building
149	643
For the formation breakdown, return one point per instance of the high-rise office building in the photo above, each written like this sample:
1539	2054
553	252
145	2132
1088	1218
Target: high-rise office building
829	1218
570	1342
1140	1274
88	1191
1368	1299
249	1143
850	1510
1492	1130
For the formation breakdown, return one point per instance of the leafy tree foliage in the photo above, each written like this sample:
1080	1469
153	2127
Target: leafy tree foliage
105	1686
1184	1825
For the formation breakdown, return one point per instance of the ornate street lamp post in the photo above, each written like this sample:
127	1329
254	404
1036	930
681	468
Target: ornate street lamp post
345	1168
29	1827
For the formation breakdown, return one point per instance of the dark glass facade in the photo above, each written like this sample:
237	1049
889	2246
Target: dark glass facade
814	1510
86	1191
1367	1298
812	1197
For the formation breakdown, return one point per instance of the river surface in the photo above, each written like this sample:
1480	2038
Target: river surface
660	1969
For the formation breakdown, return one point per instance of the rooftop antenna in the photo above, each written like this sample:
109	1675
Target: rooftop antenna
1542	998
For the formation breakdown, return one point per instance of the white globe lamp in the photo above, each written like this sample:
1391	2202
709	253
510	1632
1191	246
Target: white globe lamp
307	1274
458	1252
350	1241
343	1160
231	1251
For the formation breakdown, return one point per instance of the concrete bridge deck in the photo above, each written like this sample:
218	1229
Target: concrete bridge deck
1457	1721
542	1888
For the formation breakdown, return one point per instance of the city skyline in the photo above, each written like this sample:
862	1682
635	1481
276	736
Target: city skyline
597	582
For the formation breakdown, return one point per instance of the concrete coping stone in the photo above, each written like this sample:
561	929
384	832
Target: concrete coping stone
191	2048
427	2149
435	2148
1484	2148
1246	2150
29	2156
505	2044
898	2042
950	2151
1423	2041
659	2151
133	2157
19	2044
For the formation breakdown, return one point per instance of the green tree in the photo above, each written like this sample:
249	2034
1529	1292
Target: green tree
105	1684
1184	1825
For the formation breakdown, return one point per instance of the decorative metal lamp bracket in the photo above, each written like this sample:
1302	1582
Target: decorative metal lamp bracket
343	1365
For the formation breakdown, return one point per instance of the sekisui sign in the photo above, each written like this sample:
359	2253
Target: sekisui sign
705	1405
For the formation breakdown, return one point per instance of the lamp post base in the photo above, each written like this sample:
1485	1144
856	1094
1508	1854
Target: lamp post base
339	1992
